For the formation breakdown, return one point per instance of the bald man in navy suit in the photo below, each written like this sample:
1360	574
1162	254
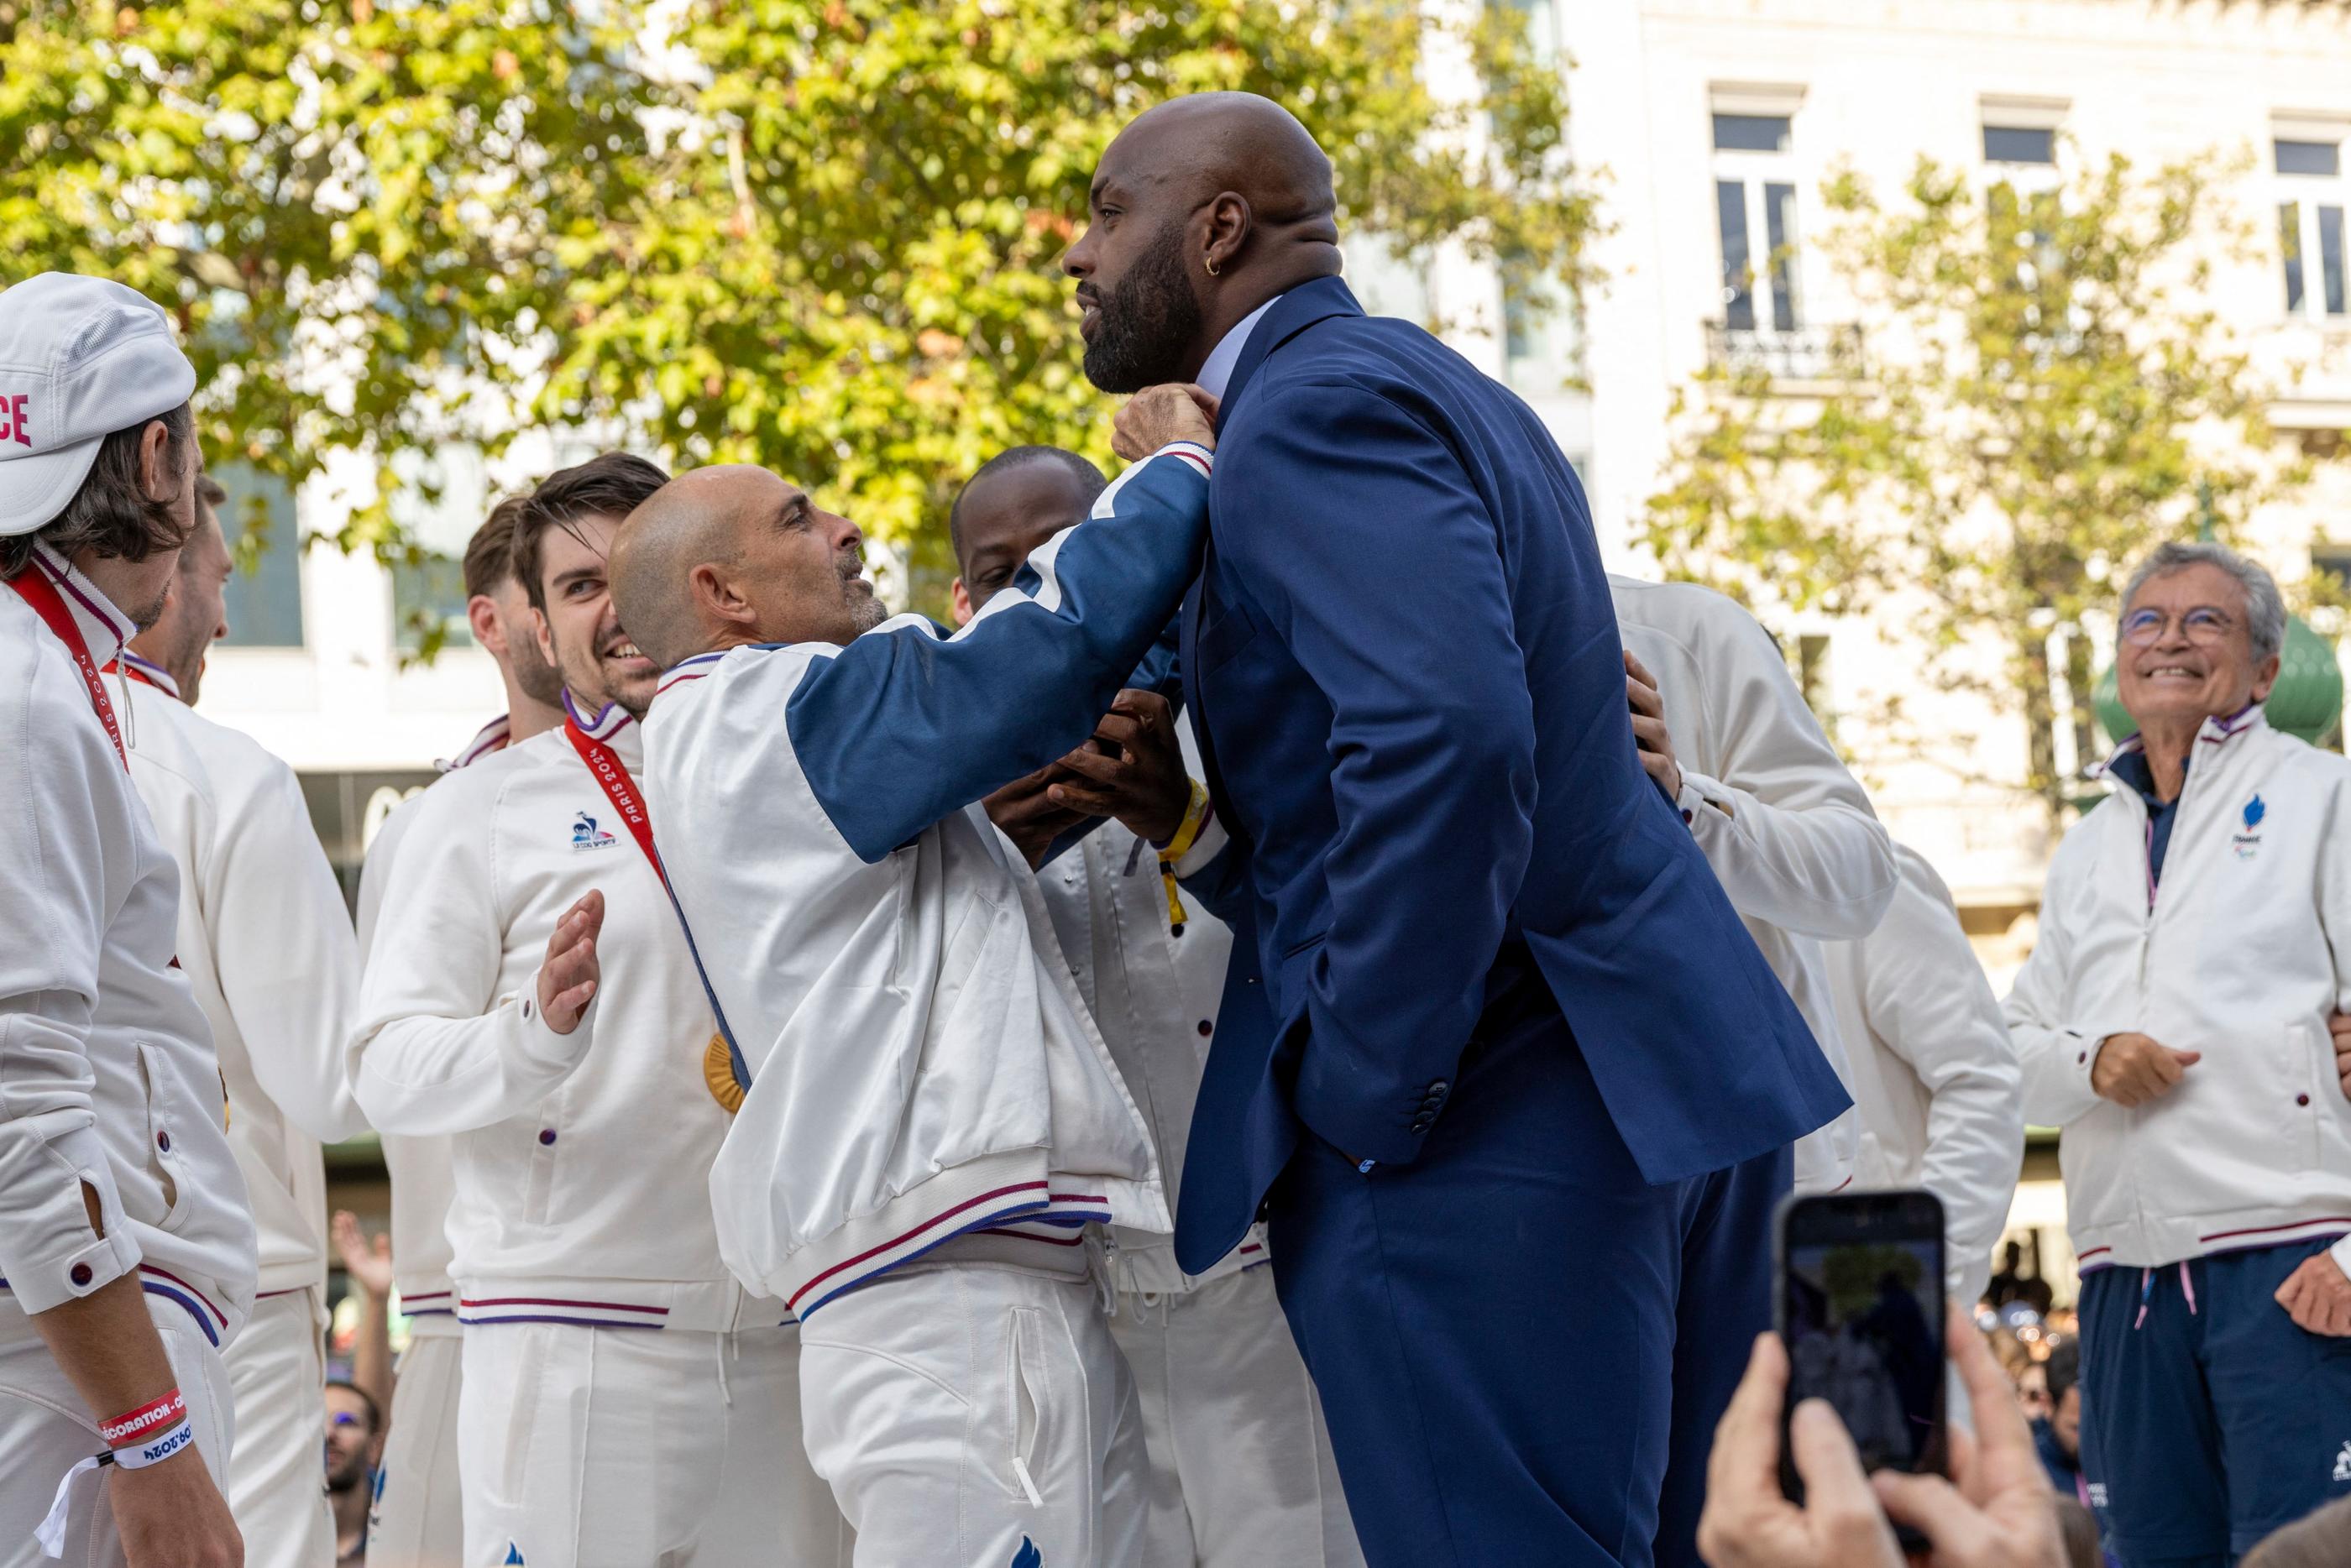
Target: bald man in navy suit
1497	1058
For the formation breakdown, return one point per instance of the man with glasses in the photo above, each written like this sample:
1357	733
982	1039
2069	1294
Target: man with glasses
2173	1020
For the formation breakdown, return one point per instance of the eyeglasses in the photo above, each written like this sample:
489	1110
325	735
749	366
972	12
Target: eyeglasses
345	1419
2203	624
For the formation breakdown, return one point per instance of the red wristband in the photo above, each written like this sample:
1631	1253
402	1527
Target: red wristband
137	1426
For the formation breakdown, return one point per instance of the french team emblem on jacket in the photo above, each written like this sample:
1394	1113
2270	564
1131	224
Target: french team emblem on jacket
2248	841
586	834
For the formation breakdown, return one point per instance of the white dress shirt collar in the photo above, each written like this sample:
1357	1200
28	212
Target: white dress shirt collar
1216	371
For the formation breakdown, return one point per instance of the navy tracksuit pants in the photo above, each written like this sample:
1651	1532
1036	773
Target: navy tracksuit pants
2209	1418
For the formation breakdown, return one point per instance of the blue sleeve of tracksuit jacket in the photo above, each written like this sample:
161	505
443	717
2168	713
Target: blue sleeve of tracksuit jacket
903	726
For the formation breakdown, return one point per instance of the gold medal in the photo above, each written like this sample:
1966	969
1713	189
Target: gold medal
719	1072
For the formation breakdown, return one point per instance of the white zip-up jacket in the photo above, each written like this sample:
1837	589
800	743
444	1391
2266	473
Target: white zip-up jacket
1934	1076
918	1068
1787	828
265	942
1155	993
423	1189
2241	954
107	1077
577	1156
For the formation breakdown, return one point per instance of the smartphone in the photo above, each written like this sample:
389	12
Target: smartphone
1860	1308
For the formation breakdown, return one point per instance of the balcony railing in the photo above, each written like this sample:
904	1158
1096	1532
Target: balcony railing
1803	354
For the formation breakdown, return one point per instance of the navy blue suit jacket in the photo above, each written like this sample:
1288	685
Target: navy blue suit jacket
1404	668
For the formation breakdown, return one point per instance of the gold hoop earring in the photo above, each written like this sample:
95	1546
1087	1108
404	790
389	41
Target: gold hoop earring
1210	263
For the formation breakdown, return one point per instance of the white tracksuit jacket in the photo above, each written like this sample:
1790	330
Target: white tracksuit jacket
265	943
1786	827
2241	954
1934	1076
422	1188
107	1075
576	1157
1155	996
917	1069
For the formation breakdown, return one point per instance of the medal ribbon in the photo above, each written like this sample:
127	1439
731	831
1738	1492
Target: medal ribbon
611	775
33	586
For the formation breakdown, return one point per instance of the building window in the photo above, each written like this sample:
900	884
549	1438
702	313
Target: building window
442	498
2020	144
264	595
2312	196
1755	220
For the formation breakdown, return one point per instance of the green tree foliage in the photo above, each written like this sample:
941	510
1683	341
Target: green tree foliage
351	208
846	264
817	234
2038	390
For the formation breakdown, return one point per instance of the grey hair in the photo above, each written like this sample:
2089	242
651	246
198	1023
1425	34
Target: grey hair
2264	607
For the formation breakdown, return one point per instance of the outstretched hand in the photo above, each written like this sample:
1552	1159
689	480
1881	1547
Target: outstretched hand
569	979
368	1263
1157	415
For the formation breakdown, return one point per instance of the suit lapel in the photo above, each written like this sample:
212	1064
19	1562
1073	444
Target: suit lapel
1294	313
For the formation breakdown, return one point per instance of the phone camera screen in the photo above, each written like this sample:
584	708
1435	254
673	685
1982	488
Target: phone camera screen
1864	1332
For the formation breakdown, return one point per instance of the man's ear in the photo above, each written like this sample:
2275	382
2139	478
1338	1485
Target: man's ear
1229	221
2265	676
482	614
962	597
156	479
715	595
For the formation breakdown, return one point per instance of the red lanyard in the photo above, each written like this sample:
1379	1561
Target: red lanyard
613	776
33	586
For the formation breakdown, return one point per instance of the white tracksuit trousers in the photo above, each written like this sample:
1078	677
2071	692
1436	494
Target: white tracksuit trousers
586	1447
976	1414
45	1430
276	1483
416	1519
1241	1472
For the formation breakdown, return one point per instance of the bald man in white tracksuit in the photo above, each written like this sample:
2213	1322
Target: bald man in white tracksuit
1790	833
416	1519
265	942
624	1400
935	1126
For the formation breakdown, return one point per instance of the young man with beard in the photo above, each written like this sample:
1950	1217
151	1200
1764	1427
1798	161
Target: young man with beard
125	1239
265	942
417	1521
1241	1474
1506	998
934	1129
530	993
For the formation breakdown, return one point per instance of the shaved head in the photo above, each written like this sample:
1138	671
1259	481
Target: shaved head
1204	208
734	555
1238	141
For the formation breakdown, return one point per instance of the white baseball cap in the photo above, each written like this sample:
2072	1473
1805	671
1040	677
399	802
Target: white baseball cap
80	358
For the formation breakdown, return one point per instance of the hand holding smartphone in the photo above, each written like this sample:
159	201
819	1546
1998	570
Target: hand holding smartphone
1860	1309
